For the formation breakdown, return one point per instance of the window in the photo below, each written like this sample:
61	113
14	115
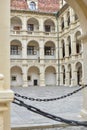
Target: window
78	46
31	50
49	51
14	50
16	27
47	28
69	48
13	78
28	78
30	27
62	23
68	19
32	6
63	49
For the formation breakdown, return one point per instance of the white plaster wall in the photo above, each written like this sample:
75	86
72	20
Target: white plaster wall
34	74
50	77
19	80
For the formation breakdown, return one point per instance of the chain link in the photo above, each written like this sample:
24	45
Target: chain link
48	115
51	99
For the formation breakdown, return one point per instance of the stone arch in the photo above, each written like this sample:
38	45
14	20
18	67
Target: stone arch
49	49
49	25
80	7
63	74
16	76
79	72
63	48
16	24
62	23
69	44
81	10
16	48
78	42
32	24
33	76
33	49
50	76
68	18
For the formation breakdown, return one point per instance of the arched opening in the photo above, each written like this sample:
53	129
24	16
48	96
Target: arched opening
68	18
63	71
32	5
70	73
62	23
32	25
78	42
63	48
16	25
49	49
15	49
33	50
69	43
33	76
49	26
79	73
50	76
16	76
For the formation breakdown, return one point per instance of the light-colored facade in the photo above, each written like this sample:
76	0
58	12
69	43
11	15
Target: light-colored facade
5	95
34	46
70	47
34	49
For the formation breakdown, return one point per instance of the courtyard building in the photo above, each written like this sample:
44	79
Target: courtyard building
44	45
70	46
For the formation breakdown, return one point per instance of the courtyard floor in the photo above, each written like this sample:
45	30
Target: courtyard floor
68	108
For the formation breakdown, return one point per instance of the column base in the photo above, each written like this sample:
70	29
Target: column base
25	84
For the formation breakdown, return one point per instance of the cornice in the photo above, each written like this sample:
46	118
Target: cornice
33	12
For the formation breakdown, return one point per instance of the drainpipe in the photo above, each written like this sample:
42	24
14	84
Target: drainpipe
58	47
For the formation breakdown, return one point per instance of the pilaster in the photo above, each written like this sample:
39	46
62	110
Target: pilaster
24	48
74	76
24	25
25	83
42	76
41	51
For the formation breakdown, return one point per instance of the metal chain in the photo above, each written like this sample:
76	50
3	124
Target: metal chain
51	99
48	115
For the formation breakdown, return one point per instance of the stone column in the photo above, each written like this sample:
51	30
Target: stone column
60	50
42	76
66	49
41	28
24	48
65	20
1	120
24	25
6	95
61	76
67	78
71	15
25	83
84	110
59	21
74	75
73	41
41	51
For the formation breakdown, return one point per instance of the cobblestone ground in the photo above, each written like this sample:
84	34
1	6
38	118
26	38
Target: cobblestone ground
68	108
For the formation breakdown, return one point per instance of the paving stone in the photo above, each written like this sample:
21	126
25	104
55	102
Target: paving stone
68	108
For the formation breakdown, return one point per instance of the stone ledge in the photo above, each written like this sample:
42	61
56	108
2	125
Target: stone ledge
6	96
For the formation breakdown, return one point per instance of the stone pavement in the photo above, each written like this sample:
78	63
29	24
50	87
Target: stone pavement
68	108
